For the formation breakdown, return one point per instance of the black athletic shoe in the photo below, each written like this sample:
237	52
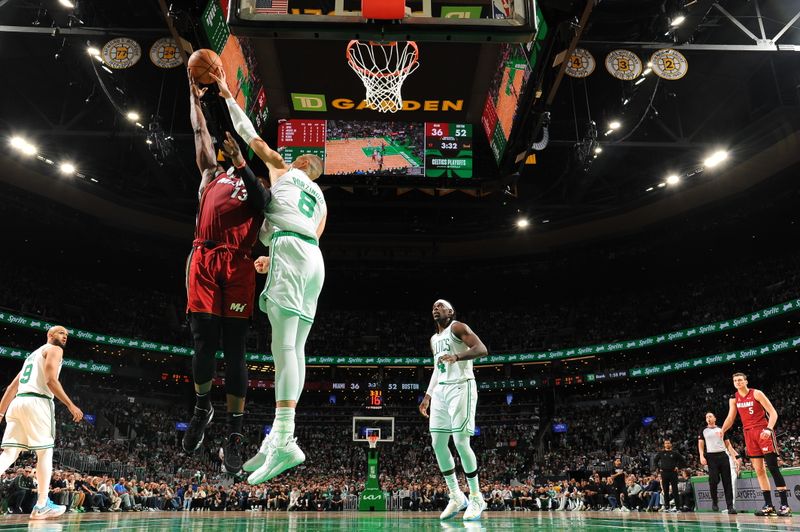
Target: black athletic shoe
784	511
196	432
232	462
767	511
715	507
731	511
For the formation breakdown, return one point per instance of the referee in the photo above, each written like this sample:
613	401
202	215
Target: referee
716	452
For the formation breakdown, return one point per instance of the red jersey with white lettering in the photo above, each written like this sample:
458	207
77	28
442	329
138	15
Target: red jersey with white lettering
751	412
224	215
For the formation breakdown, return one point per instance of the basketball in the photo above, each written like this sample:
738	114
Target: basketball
201	63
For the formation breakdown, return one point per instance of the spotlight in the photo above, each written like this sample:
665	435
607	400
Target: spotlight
647	71
67	168
133	116
649	189
23	145
662	185
614	124
677	21
715	158
522	223
673	179
598	150
641	80
94	52
66	3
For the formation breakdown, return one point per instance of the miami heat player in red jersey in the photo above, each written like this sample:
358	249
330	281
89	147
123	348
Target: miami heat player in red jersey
758	420
220	281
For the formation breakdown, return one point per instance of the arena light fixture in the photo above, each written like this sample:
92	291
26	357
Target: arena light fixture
641	80
677	20
598	149
133	116
66	3
522	223
662	185
94	52
715	158
67	168
649	189
614	124
647	71
673	179
23	146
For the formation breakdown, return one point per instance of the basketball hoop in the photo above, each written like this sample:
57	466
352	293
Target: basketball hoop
372	439
383	67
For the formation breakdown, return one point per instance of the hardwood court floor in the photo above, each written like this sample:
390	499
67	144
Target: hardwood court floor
398	521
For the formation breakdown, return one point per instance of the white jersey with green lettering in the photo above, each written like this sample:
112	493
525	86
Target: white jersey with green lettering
446	343
33	378
297	205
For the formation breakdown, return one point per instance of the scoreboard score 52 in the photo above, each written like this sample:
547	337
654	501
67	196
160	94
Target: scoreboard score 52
448	149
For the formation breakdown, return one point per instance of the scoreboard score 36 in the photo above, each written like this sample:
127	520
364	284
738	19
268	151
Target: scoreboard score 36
448	149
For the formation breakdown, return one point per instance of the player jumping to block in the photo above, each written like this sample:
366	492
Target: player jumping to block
452	396
758	420
31	418
296	218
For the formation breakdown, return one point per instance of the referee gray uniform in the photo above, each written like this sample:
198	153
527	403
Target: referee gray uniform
719	465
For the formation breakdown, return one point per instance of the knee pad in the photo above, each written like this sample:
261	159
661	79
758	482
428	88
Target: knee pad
205	331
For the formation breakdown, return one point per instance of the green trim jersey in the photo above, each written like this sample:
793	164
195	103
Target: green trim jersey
446	343
33	379
297	205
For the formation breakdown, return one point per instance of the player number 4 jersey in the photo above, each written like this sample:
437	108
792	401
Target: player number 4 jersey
446	343
297	205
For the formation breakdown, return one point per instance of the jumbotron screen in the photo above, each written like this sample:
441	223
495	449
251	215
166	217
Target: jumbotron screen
380	148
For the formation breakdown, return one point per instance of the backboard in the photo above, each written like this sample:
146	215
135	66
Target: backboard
429	20
364	426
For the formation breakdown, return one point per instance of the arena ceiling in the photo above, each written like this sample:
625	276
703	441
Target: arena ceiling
740	94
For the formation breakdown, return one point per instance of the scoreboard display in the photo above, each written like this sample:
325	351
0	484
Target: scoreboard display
296	137
448	150
432	149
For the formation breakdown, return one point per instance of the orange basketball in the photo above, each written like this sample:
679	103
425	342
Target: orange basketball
201	62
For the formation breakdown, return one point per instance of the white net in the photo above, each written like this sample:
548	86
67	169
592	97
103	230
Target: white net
383	67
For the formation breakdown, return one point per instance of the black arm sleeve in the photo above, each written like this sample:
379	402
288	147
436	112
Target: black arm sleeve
257	196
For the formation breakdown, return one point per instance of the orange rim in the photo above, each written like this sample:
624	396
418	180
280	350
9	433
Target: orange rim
369	73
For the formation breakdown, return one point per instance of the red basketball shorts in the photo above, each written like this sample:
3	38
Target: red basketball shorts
221	282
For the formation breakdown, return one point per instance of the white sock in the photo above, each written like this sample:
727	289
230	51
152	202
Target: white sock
283	426
452	483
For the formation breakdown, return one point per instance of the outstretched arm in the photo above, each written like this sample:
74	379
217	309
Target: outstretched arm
245	128
203	145
257	195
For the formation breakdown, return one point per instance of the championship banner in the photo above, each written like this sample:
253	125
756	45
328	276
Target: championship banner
623	64
165	54
121	53
748	492
669	64
580	64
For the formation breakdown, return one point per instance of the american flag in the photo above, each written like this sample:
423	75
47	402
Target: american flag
276	7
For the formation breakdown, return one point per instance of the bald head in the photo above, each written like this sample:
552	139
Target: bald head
310	164
57	335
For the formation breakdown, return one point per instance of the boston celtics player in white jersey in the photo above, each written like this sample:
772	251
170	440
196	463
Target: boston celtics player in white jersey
452	397
27	406
294	221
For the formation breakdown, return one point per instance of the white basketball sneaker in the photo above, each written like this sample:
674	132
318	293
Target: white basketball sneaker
475	508
50	510
258	460
458	502
277	460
